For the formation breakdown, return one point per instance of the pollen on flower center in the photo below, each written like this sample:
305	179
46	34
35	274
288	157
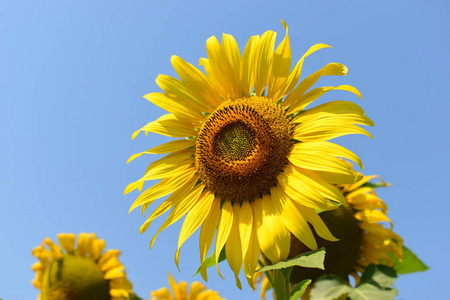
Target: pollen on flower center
242	146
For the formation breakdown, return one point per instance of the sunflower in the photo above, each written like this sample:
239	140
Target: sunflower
197	291
84	272
362	239
377	240
252	166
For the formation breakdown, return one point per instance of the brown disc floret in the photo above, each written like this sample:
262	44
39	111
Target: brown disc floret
242	146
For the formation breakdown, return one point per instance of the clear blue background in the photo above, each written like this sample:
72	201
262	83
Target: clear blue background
72	76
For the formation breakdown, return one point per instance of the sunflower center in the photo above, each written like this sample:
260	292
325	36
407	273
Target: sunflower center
242	146
75	278
235	142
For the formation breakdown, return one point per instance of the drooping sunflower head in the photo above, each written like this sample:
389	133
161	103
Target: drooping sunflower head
363	240
197	291
81	272
255	161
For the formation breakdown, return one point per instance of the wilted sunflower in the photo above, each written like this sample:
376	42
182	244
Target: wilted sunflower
362	239
197	291
253	165
84	272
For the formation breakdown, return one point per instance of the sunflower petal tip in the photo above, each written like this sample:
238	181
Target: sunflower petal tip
177	259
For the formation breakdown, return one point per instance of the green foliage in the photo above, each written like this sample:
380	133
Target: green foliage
299	289
312	259
410	263
211	260
375	284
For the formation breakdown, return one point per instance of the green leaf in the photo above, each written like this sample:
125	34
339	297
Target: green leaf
381	276
211	260
375	284
368	291
299	289
329	287
312	259
410	263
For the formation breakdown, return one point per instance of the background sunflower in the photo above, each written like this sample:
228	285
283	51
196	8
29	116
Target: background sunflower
79	270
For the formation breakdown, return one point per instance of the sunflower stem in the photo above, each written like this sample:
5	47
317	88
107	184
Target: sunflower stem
281	283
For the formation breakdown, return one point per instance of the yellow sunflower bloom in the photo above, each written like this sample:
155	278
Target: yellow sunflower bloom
362	239
197	291
81	272
253	165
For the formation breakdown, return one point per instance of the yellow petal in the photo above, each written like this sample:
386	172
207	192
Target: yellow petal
223	229
372	216
97	248
305	190
245	226
294	75
175	105
234	57
325	148
252	255
171	146
221	68
194	219
281	67
55	250
207	233
195	289
113	262
313	218
195	80
329	69
169	125
67	241
274	239
169	165
132	186
343	111
84	245
107	256
162	294
180	209
170	202
118	272
233	247
352	187
162	188
312	95
175	87
263	60
323	156
295	223
247	61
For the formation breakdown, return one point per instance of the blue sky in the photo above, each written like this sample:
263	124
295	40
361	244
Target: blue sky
72	78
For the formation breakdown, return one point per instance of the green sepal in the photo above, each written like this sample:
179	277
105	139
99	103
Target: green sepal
211	260
378	184
312	259
298	291
409	264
